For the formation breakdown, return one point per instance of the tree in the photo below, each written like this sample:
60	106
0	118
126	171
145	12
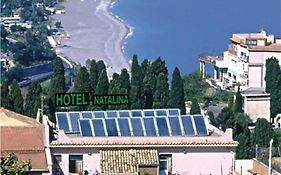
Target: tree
176	99
11	165
241	124
226	118
57	85
195	108
82	81
157	67
125	80
263	132
230	103
212	119
162	92
136	84
58	25
238	102
194	86
33	99
93	75
5	96
115	87
149	82
4	32
271	74
16	97
245	148
100	67
273	84
102	87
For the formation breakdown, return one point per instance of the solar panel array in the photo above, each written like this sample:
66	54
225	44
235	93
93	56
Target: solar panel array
154	122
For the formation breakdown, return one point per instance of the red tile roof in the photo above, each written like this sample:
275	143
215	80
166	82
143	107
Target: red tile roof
25	140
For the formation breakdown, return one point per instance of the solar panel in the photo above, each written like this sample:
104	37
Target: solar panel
137	126
85	127
174	112
87	115
149	127
111	127
187	125
161	112
124	114
149	113
124	127
136	113
175	126
162	126
63	121
111	114
200	125
99	114
74	121
98	127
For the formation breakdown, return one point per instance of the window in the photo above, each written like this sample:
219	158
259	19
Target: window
76	164
56	166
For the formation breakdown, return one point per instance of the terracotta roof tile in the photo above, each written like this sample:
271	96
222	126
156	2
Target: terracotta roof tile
26	140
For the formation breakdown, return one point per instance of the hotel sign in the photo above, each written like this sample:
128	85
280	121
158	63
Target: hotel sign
83	99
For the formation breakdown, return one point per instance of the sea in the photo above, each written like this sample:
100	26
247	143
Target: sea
179	30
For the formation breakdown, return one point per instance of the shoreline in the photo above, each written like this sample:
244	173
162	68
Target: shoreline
130	29
97	34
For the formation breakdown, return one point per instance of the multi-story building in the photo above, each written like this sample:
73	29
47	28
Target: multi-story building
142	142
244	62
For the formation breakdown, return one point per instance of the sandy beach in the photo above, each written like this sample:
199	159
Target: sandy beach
94	33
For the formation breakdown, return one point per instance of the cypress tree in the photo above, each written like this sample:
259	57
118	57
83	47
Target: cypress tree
33	99
271	73
16	97
93	75
263	132
195	108
115	88
100	67
102	87
125	80
177	92
82	81
136	84
5	96
238	102
158	66
273	84
144	66
162	92
149	82
57	84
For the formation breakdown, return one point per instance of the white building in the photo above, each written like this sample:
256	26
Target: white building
244	61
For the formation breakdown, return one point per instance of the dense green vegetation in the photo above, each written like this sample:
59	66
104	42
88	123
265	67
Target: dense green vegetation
11	165
26	46
273	84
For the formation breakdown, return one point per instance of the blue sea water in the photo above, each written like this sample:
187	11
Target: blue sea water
179	30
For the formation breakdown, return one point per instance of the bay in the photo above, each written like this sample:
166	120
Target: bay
179	30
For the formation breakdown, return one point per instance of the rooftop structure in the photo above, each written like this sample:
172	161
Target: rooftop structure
155	141
256	103
23	136
244	61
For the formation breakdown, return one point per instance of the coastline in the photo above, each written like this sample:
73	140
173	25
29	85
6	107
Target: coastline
129	31
97	34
